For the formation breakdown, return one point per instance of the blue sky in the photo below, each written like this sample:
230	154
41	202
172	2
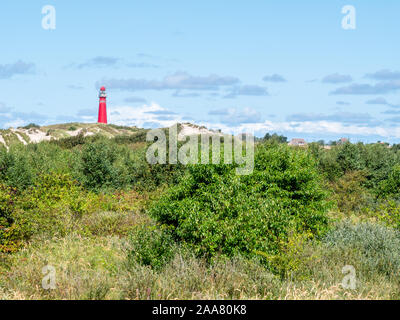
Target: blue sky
261	66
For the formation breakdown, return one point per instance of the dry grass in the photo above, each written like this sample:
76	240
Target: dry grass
96	268
85	269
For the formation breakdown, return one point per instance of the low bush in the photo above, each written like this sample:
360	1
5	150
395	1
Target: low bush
131	138
57	205
32	126
53	206
388	212
217	212
15	167
293	257
373	249
150	246
45	157
349	193
99	167
71	142
391	185
376	161
146	177
9	236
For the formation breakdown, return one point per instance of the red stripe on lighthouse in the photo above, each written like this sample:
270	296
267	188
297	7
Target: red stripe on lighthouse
103	106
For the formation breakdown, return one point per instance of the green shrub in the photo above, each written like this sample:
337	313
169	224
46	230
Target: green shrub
8	235
379	160
374	160
148	177
349	192
53	206
5	162
350	157
150	246
98	166
371	248
71	142
391	185
32	126
217	212
274	138
388	212
50	132
131	138
45	157
15	167
7	203
293	257
341	159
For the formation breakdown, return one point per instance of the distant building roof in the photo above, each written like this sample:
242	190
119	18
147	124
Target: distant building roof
297	142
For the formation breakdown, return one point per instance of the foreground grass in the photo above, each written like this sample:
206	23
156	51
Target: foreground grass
85	269
97	268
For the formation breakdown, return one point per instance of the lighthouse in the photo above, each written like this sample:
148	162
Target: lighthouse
102	106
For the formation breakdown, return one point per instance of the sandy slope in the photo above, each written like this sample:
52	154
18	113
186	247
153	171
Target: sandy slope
38	134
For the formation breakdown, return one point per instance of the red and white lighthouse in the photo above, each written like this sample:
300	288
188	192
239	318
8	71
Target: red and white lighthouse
103	106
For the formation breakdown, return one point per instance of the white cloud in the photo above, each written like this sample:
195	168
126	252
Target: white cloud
14	123
337	78
143	116
176	81
152	115
311	127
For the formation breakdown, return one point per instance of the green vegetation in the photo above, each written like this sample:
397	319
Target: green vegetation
217	212
31	125
115	227
274	138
